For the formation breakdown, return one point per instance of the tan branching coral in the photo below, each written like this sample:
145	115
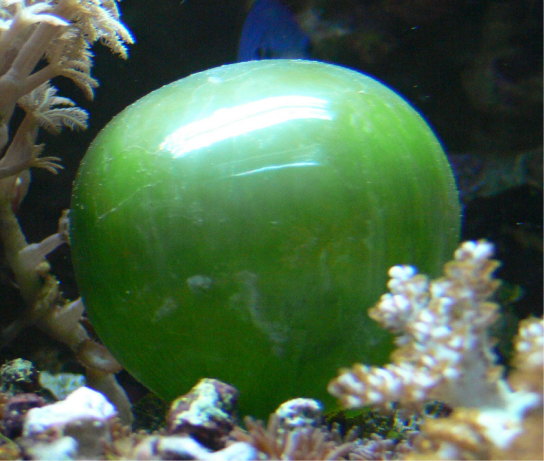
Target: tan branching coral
58	34
445	352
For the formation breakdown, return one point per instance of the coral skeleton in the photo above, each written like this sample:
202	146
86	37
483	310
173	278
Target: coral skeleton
79	424
445	353
183	447
56	36
81	403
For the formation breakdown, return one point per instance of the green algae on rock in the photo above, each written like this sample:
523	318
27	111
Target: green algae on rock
237	224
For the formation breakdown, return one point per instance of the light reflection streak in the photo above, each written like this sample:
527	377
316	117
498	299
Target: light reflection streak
277	167
234	121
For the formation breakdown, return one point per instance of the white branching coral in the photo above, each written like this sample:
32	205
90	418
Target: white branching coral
445	353
58	35
42	105
59	32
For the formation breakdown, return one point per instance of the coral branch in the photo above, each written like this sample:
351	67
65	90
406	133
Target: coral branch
445	353
60	33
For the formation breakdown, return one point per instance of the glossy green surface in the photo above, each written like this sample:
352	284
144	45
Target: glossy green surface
238	223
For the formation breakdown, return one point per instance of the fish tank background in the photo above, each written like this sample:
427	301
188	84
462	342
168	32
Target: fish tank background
472	68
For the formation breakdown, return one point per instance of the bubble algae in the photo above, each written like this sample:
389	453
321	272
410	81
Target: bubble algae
238	223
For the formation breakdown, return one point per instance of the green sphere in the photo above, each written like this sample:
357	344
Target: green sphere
238	223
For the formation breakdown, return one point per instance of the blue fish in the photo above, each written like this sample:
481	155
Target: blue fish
272	32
